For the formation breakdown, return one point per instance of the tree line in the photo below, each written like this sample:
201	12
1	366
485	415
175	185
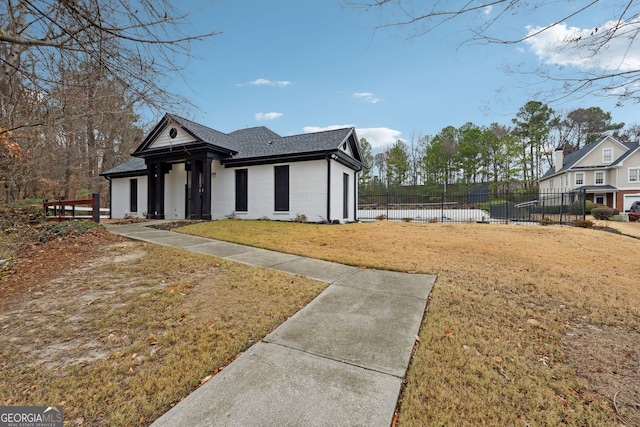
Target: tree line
500	155
74	76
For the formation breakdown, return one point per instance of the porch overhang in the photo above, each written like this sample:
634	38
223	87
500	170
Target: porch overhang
591	189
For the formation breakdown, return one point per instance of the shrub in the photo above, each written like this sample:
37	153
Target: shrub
583	223
433	220
634	216
381	217
604	213
576	207
407	219
20	214
65	229
300	218
589	205
547	221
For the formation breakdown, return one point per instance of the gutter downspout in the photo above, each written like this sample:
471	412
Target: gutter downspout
615	195
110	193
328	189
355	196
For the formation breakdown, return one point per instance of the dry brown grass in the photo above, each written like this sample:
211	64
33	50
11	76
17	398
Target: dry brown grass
117	332
510	307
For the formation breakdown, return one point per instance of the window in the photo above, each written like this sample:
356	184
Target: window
282	188
634	174
551	184
607	155
241	190
133	195
345	196
599	178
579	178
600	199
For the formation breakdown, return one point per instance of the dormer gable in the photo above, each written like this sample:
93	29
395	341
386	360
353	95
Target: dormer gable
172	134
602	153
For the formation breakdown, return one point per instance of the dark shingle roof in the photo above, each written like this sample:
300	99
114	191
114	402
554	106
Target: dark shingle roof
246	144
632	146
296	144
134	166
571	159
205	133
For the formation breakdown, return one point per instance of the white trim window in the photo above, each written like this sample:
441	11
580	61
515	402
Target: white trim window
551	184
600	199
607	155
634	174
579	178
598	177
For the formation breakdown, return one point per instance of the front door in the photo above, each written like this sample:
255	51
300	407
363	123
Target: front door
193	191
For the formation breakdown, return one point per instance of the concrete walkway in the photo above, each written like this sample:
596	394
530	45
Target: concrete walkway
339	361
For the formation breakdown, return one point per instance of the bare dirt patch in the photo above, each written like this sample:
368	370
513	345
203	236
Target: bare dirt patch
607	360
47	316
119	331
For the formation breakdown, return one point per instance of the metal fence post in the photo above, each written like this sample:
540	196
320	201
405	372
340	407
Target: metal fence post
387	203
506	206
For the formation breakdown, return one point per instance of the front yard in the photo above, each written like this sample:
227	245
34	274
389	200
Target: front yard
527	325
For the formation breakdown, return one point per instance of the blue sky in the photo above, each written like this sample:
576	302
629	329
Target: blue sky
303	65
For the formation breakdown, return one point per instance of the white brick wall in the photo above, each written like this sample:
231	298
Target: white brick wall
174	192
120	197
307	192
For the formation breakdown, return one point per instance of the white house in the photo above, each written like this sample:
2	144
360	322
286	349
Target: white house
184	170
607	170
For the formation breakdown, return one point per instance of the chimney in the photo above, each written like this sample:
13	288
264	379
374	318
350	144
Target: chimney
559	158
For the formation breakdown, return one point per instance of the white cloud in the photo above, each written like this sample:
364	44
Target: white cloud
487	10
367	97
265	82
311	129
379	137
562	45
267	116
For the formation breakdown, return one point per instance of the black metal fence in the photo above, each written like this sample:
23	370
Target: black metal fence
483	207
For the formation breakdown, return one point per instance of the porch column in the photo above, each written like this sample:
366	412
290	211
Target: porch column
206	189
151	190
196	203
155	192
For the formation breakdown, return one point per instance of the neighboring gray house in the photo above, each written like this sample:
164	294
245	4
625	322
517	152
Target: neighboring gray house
607	170
186	170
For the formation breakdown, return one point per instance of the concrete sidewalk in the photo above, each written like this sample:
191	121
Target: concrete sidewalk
338	361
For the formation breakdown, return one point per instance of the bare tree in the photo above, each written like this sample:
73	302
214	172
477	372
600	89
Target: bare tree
73	73
132	43
483	20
